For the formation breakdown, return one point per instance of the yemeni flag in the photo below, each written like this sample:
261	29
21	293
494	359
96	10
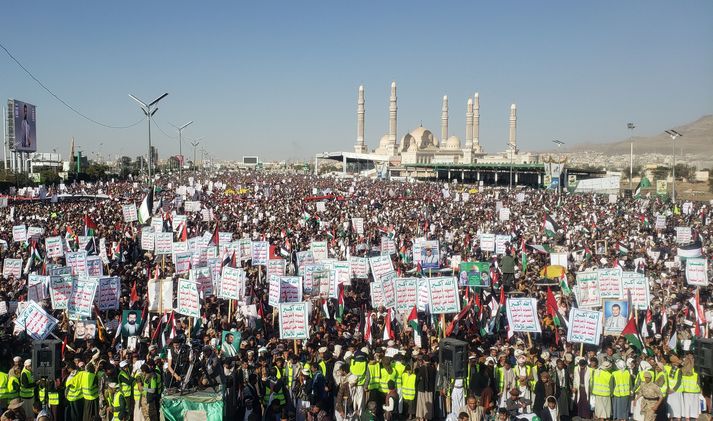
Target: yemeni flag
146	208
215	238
367	329
90	226
340	304
457	318
698	312
388	331
631	334
182	233
523	256
134	297
550	226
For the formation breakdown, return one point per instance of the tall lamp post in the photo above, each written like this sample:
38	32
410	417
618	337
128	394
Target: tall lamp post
631	128
195	145
149	111
180	147
559	144
674	134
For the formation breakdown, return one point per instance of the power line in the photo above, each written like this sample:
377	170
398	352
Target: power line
153	120
109	126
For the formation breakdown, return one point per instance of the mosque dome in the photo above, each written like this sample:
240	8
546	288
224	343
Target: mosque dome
384	140
421	137
453	142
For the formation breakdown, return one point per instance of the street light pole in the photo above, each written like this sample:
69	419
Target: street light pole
674	134
559	144
631	128
180	147
149	111
195	145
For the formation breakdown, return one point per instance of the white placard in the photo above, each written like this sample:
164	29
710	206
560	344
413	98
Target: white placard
294	322
697	272
163	243
406	293
188	299
160	295
610	283
129	212
319	250
587	290
443	295
54	247
108	292
487	242
260	253
522	315
585	326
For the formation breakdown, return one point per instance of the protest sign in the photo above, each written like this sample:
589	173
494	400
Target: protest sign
501	243
342	272
358	224
108	291
307	277
37	287
697	272
610	283
273	298
443	295
294	322
660	222
163	243
487	242
19	233
504	214
231	283
638	284
81	301
388	246
224	238
260	253
322	282
178	247
424	297
83	240
246	249
192	206
406	290
35	321
377	294
203	277
60	290
95	267
12	267
360	267
522	315
290	289
304	258
380	266
85	329
77	260
585	326
129	212
183	262
53	246
160	295
187	299
683	235
178	222
587	290
276	267
321	207
35	233
387	289
148	239
157	224
474	274
559	259
319	250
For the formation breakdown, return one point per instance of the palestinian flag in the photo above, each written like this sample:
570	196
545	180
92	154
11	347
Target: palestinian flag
458	317
553	311
542	248
631	333
523	256
621	249
215	238
146	208
550	226
587	253
340	302
644	183
90	226
564	286
690	250
325	309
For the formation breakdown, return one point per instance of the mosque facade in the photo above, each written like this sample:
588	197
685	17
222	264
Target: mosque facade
422	146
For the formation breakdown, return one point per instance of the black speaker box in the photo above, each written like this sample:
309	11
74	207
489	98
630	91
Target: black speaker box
704	357
46	359
453	358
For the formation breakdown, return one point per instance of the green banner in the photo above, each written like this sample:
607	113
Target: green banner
474	274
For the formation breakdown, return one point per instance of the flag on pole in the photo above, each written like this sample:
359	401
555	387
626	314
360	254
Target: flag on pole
631	334
90	226
367	328
412	322
146	208
553	311
523	256
388	332
325	309
340	304
550	226
134	297
215	238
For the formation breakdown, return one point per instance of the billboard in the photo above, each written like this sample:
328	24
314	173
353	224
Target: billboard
22	126
250	160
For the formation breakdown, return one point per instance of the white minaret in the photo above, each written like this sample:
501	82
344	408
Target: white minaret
512	141
392	116
444	121
476	123
360	147
469	124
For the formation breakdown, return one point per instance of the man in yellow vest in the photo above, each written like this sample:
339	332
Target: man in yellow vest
408	389
602	386
118	403
90	391
674	400
387	374
3	391
621	401
374	368
358	367
691	389
27	387
73	393
48	395
13	379
126	383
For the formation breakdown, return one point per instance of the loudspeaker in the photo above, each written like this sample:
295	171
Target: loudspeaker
46	359
704	357
453	358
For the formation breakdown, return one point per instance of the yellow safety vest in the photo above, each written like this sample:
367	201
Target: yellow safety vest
27	392
53	397
374	376
622	383
358	368
116	404
73	387
137	393
664	386
408	386
125	383
601	385
278	395
323	367
671	380
3	385
289	374
689	384
384	379
500	376
399	368
13	387
90	390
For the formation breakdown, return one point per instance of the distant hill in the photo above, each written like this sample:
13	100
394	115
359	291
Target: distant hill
697	140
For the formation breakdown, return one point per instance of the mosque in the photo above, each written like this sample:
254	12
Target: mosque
421	146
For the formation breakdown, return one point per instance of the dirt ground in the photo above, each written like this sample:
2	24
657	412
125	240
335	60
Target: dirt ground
684	191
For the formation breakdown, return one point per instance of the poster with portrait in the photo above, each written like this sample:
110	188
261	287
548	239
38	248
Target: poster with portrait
474	274
616	315
230	343
85	329
130	323
430	254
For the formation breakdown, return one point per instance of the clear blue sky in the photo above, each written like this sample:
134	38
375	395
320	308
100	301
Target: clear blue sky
279	79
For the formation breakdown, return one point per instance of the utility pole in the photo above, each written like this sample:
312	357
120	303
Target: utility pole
149	111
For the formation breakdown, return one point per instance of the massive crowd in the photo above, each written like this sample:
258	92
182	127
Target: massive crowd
367	363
